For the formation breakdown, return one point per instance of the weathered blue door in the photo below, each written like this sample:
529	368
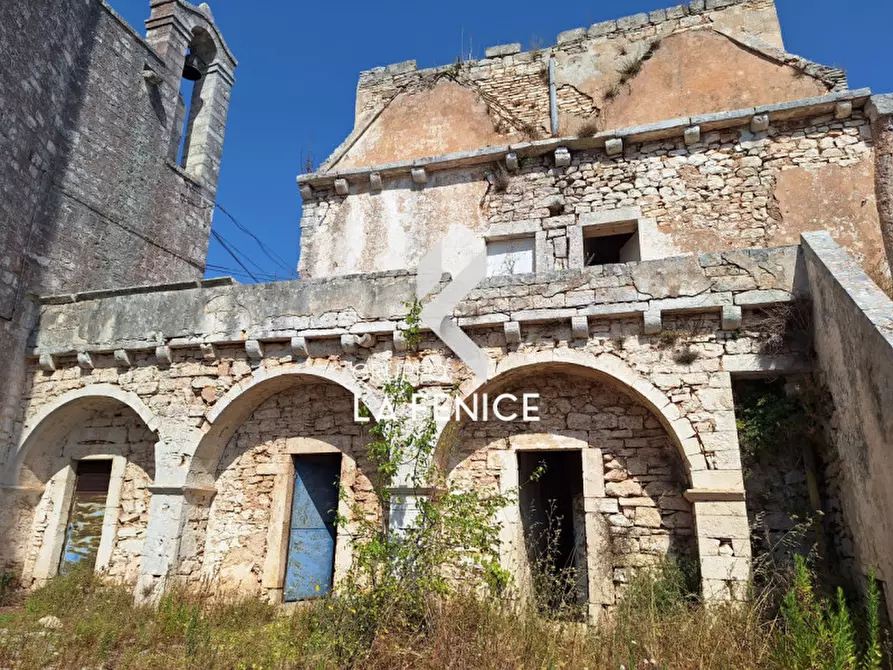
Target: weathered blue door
311	545
84	529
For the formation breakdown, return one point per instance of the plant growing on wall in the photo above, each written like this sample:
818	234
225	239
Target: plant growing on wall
448	543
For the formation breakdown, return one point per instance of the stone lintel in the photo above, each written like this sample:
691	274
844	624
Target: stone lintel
711	495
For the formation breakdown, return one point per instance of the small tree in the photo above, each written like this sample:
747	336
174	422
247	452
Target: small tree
397	578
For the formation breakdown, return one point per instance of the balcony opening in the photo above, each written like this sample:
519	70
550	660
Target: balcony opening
611	243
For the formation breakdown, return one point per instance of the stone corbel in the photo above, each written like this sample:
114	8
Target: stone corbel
122	359
614	146
254	349
47	363
85	362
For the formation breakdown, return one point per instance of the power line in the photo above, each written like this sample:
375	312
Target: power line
233	254
268	252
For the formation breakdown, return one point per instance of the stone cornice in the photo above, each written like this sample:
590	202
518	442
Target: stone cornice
758	118
358	310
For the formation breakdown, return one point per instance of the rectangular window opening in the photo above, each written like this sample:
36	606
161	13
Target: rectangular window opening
83	532
611	243
553	521
310	562
510	256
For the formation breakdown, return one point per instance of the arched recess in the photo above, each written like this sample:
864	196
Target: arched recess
240	401
607	368
633	457
237	537
101	424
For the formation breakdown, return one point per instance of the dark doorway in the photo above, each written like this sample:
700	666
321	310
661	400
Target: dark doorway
610	249
311	543
552	517
84	529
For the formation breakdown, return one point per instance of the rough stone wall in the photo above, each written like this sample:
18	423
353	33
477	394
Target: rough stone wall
647	516
117	432
191	389
733	189
854	350
90	199
612	75
240	515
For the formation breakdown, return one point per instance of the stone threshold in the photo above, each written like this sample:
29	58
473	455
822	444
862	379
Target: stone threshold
758	119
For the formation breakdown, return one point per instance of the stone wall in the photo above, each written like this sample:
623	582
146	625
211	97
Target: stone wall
236	548
855	361
732	188
91	198
110	432
643	477
616	74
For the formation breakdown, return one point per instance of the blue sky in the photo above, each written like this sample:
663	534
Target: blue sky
299	63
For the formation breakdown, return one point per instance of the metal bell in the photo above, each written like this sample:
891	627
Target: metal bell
192	69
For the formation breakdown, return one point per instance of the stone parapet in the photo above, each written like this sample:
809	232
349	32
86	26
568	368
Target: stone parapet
358	309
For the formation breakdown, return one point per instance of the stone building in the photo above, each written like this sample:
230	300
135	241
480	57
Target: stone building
646	197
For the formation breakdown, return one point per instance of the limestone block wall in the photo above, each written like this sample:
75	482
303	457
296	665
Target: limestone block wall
34	548
635	70
640	496
233	553
234	380
91	198
855	359
731	188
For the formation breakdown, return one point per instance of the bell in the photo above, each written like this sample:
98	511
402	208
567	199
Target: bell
192	68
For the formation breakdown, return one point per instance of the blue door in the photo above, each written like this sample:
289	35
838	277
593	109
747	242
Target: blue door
311	542
84	529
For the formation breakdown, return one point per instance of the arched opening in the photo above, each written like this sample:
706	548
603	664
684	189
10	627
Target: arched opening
275	457
609	494
79	488
192	110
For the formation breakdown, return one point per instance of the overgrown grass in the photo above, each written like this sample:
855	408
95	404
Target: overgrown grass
657	624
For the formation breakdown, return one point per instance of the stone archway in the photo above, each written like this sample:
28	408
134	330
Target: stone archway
100	424
712	499
239	481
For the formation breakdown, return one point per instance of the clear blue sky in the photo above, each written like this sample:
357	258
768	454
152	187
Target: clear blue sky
299	63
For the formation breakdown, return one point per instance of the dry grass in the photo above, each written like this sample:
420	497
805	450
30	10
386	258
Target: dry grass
588	128
657	624
101	628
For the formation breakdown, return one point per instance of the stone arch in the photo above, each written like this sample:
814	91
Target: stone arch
58	417
242	399
237	534
609	368
703	518
97	422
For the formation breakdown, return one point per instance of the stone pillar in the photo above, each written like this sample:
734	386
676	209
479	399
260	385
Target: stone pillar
723	536
169	514
880	111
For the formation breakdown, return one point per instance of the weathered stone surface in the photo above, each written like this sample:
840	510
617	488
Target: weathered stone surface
671	279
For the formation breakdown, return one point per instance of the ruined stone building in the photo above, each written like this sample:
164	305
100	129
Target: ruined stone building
670	205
